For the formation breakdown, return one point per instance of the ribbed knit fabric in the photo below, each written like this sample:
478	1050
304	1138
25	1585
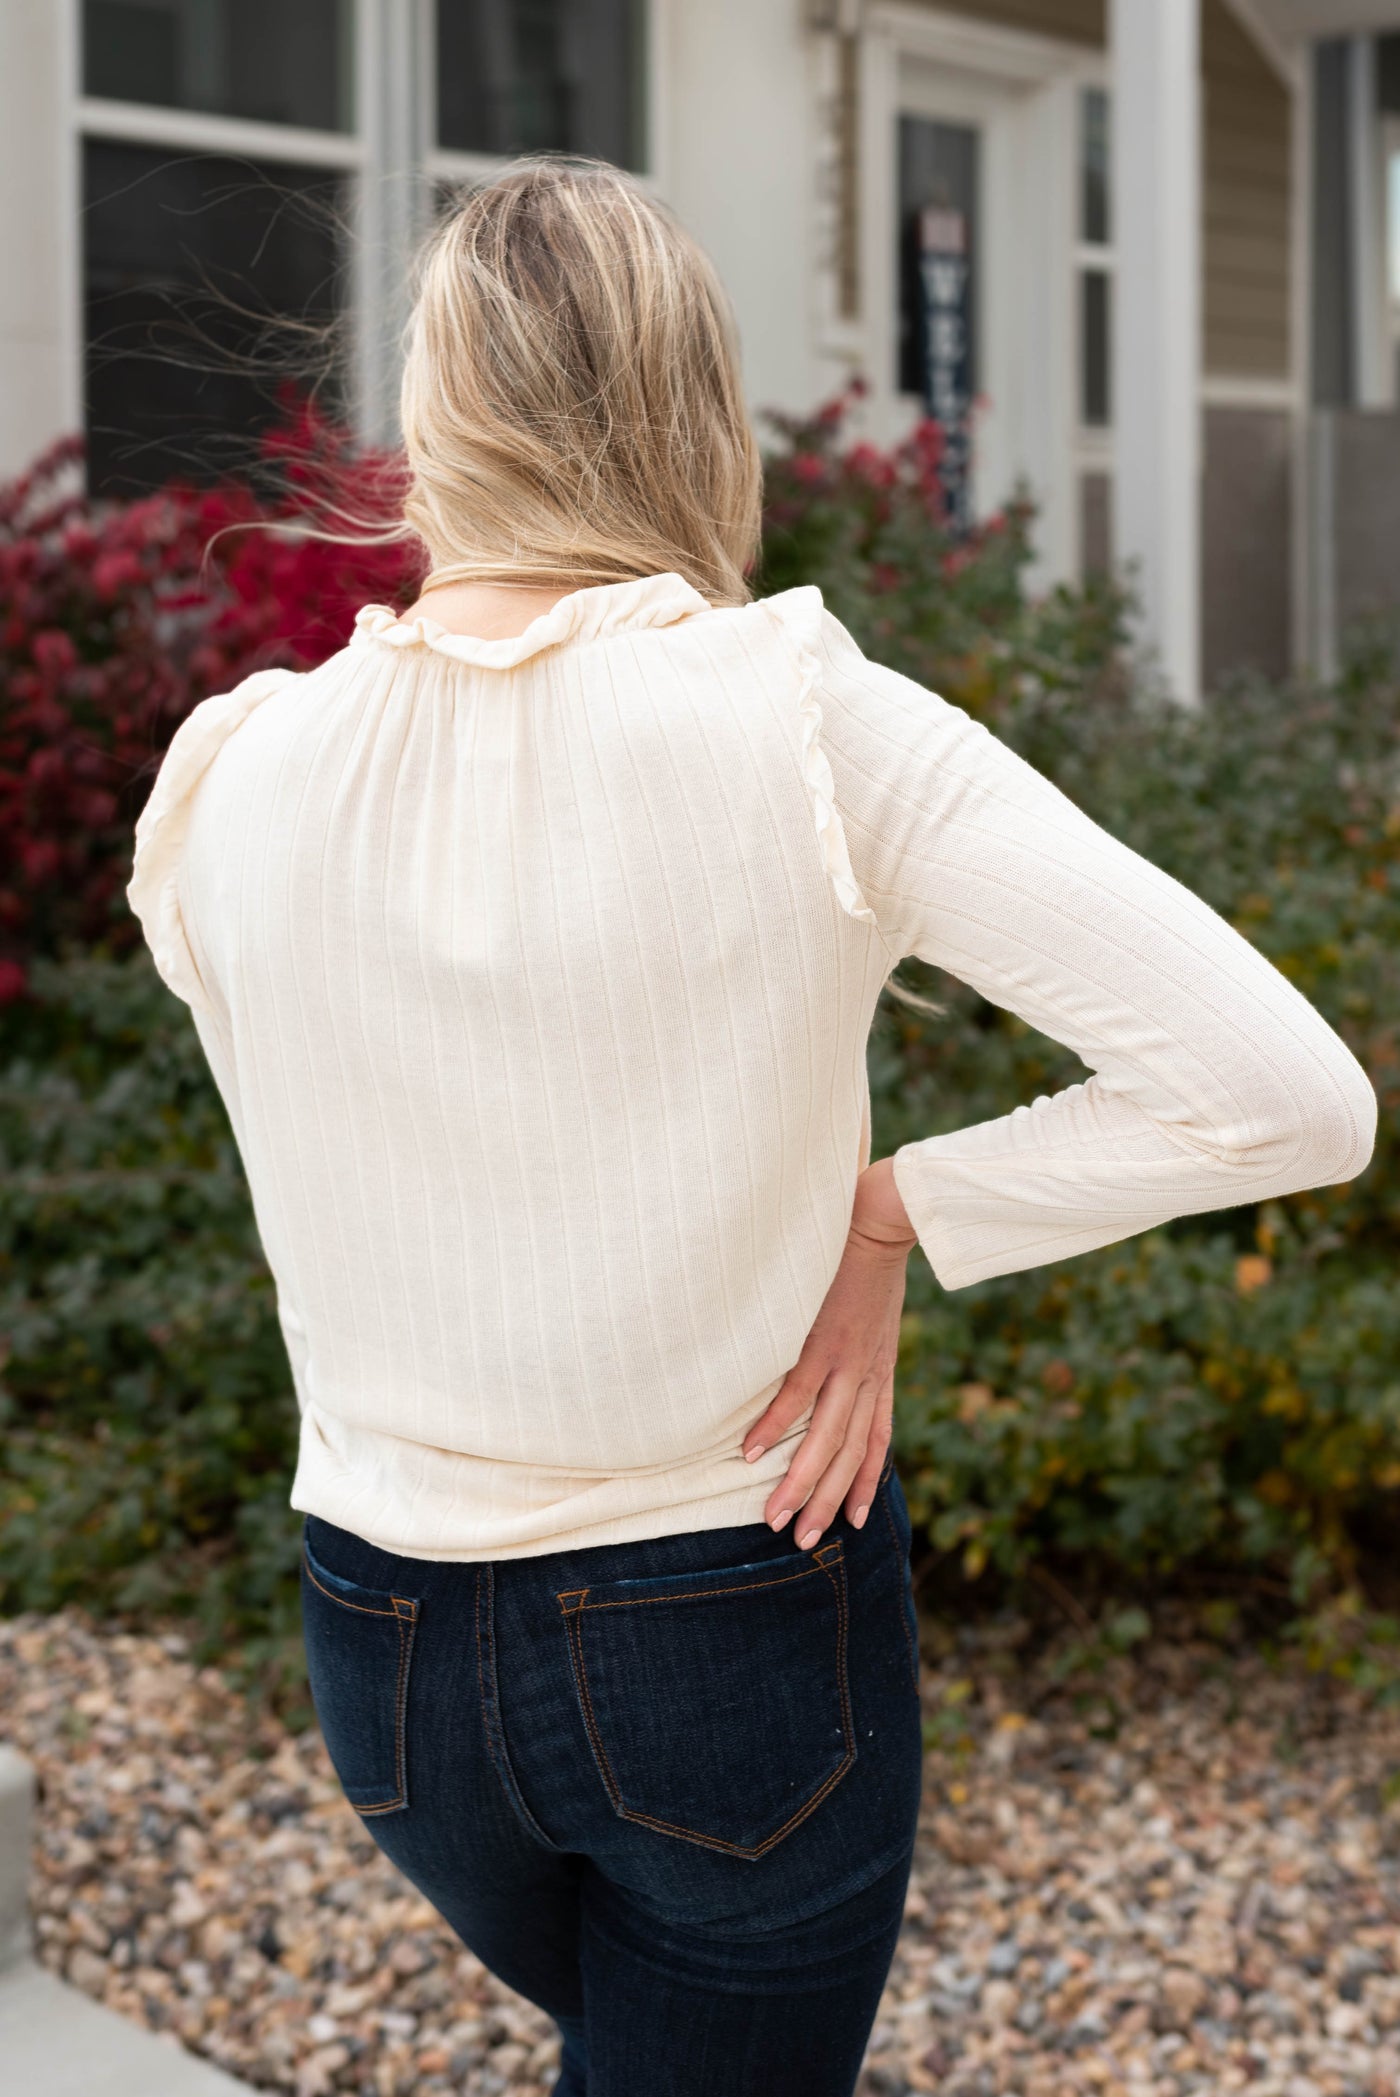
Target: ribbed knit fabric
536	977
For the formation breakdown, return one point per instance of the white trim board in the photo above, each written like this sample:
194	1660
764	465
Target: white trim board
1013	56
194	131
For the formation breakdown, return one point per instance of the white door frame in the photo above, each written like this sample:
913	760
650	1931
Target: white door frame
1020	91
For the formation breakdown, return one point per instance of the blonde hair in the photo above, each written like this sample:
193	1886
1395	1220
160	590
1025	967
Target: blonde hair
571	404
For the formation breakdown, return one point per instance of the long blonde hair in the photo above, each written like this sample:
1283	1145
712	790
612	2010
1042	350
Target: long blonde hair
571	405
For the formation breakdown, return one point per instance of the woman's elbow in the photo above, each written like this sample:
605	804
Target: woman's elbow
1322	1133
1350	1125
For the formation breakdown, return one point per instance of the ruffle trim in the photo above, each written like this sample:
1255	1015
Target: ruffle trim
584	615
799	613
161	827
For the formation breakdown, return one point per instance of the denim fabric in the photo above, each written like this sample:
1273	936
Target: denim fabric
666	1789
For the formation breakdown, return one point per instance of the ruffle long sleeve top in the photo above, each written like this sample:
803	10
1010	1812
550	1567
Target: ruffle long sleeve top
536	977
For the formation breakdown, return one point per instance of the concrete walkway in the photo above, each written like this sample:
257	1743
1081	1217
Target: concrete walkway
54	2040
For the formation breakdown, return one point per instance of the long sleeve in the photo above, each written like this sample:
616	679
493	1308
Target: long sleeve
1214	1081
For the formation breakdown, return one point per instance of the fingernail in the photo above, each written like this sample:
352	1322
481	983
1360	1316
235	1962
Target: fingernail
858	1518
808	1538
750	1454
784	1514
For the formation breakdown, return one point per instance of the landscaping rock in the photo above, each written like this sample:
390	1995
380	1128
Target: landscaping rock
1171	1874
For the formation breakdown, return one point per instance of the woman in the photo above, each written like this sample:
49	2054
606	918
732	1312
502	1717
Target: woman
533	941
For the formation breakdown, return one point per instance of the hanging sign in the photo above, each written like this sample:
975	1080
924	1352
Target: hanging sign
945	282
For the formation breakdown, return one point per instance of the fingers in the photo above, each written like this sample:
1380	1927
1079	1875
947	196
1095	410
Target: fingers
867	1479
825	1436
828	1458
796	1393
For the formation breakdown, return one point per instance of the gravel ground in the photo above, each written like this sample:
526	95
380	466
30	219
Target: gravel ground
1175	1872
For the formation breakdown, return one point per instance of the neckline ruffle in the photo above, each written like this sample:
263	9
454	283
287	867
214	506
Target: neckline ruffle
584	615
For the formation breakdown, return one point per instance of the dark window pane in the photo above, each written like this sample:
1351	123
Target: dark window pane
279	61
1388	73
538	76
207	283
1093	167
1094	352
937	165
1095	524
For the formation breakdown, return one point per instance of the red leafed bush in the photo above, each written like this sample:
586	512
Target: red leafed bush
117	618
304	591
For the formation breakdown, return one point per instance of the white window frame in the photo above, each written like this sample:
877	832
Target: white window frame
389	157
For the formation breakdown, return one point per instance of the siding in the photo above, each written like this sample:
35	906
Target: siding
1082	21
1366	505
1245	121
1245	539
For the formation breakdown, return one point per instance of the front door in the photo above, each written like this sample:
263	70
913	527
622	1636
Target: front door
952	142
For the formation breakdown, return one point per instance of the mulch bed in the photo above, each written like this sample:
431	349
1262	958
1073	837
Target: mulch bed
1172	1872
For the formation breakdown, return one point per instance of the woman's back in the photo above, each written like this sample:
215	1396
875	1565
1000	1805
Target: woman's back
544	1027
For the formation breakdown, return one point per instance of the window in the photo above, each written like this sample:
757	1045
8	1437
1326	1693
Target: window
1093	167
201	275
528	76
1093	266
1095	262
1094	351
938	165
235	194
273	62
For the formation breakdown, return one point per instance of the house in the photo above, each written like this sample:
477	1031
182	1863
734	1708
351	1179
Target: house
1175	218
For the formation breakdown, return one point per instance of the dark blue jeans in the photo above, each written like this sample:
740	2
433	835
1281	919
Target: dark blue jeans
667	1790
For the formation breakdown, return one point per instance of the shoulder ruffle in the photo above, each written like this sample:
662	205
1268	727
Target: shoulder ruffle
162	824
798	613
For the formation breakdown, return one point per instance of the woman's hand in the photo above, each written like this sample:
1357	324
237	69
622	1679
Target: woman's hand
847	1367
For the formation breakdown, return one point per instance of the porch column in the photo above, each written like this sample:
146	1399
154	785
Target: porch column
40	287
392	204
1373	380
1155	48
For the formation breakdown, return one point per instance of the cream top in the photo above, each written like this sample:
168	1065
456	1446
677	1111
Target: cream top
536	976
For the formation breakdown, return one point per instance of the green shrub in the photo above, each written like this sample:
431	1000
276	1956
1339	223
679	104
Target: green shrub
146	1404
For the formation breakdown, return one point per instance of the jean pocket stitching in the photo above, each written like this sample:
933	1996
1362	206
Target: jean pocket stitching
577	1596
406	1629
405	1615
902	1562
404	1605
829	1561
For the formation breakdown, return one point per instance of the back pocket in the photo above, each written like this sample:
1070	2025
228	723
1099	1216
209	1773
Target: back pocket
717	1704
359	1643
